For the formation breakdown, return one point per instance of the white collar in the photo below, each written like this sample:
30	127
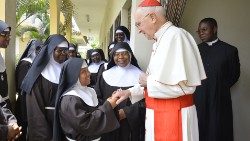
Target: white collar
87	94
52	70
212	42
122	76
2	64
162	29
94	67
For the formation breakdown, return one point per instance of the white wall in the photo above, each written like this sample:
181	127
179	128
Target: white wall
112	10
140	45
233	25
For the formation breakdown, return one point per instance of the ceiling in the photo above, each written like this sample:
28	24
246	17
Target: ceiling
89	15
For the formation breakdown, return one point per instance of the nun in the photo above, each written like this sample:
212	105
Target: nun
103	66
23	65
77	115
97	58
122	72
88	55
110	47
122	34
72	50
40	86
4	42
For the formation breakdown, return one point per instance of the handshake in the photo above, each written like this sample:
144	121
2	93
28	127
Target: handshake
14	131
118	96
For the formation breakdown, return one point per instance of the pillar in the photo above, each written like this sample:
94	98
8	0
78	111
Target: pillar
55	6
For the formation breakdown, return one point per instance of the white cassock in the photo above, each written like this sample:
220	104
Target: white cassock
174	71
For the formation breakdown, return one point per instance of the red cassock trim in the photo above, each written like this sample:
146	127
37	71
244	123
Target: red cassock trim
149	3
167	116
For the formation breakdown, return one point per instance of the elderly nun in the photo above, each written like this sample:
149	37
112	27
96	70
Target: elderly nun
122	72
40	86
77	115
23	65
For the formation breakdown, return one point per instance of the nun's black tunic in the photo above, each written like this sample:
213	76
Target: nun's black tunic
132	127
82	122
39	109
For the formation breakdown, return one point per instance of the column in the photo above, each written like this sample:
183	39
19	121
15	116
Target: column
55	6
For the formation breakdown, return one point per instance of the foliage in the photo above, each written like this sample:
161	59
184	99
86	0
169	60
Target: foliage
95	44
26	9
29	8
67	9
39	8
30	31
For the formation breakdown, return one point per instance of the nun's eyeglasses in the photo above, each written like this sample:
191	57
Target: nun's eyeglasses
61	50
5	34
138	24
123	53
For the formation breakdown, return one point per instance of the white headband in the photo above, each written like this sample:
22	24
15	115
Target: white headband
7	29
71	48
63	44
121	50
111	46
119	31
94	53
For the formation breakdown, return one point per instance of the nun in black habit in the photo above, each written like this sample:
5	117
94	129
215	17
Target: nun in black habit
4	42
77	115
72	50
122	34
25	61
103	66
110	47
122	73
40	86
23	65
97	58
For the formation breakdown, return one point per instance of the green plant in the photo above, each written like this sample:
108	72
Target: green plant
38	8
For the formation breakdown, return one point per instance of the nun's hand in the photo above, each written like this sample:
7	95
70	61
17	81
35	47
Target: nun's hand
14	131
112	100
143	79
121	95
122	114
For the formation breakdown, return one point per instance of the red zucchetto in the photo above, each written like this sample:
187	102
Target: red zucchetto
149	3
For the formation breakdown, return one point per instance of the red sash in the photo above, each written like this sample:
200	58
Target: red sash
167	116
